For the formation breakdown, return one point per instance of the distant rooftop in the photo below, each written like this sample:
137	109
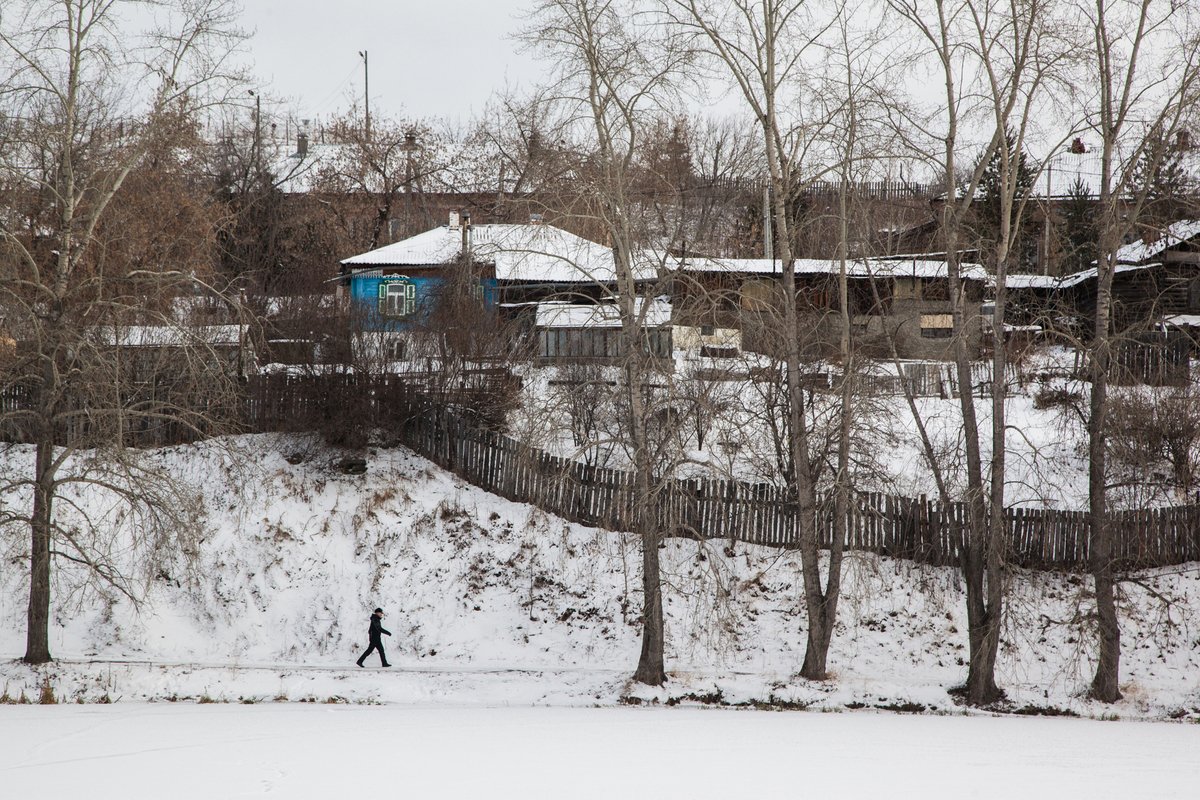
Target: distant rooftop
1176	233
531	252
914	267
657	313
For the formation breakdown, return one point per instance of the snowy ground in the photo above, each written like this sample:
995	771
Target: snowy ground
133	751
515	635
495	603
1045	447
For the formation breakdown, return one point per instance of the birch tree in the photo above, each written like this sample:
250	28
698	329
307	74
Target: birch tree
87	99
1145	61
996	61
766	50
616	74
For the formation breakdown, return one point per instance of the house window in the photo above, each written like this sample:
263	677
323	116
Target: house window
708	330
397	298
937	326
718	352
657	343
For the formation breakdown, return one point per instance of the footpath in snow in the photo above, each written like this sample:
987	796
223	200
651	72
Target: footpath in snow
496	603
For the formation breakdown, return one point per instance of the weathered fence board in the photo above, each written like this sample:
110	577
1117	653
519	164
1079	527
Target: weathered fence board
760	513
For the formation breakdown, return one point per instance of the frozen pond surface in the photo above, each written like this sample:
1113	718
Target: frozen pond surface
336	751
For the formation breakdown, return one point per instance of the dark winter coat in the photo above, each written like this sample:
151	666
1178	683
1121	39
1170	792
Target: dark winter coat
377	629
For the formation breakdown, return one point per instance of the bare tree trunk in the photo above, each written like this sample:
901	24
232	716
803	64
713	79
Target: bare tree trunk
1010	85
820	632
1105	682
983	623
37	635
650	669
616	90
803	494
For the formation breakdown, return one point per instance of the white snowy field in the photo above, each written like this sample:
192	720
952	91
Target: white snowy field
134	751
496	603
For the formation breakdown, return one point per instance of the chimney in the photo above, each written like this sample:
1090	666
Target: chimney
1183	139
302	144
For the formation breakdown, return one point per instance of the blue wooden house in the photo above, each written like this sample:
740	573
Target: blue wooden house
395	287
511	269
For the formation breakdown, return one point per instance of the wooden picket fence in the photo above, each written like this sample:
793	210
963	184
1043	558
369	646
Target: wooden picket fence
882	190
278	402
935	379
758	513
703	508
1150	359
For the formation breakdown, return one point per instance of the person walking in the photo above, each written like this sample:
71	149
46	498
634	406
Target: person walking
374	634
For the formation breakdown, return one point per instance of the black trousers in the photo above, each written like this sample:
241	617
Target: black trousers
374	646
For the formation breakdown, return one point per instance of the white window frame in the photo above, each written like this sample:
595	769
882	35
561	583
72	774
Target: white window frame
397	298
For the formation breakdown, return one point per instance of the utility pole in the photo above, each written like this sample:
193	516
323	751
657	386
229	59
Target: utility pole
768	233
257	126
366	92
1047	206
410	148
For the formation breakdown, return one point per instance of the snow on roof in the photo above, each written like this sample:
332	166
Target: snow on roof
1175	233
602	315
1182	321
541	253
170	336
453	165
857	268
1130	258
294	174
1059	176
1031	281
1066	281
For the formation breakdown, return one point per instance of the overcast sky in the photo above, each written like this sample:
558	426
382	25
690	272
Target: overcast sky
427	57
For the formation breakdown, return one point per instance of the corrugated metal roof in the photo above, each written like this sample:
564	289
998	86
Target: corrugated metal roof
519	252
856	268
601	315
1174	234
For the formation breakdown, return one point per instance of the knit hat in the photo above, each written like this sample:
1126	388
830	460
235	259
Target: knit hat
379	611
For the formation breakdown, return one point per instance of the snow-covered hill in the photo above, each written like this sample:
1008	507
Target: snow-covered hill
495	602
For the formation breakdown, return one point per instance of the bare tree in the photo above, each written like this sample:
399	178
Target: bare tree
392	163
86	102
767	50
1145	59
996	60
614	72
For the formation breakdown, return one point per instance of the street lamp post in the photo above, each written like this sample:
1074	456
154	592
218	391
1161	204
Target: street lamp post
366	93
